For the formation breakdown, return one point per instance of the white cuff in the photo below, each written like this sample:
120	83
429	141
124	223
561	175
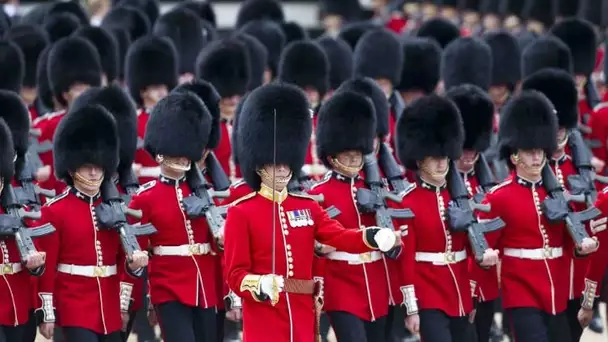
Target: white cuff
48	309
589	294
125	296
409	299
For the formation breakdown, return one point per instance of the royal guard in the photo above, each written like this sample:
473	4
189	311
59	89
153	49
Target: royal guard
31	40
539	15
351	33
231	83
379	56
467	60
471	18
439	29
183	269
73	65
151	73
491	15
528	136
420	73
272	37
293	32
506	66
272	270
130	18
186	31
354	318
305	65
511	11
106	47
13	66
45	103
340	58
270	10
83	286
60	25
336	13
545	52
258	59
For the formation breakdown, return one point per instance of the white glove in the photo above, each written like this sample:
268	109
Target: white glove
271	285
386	239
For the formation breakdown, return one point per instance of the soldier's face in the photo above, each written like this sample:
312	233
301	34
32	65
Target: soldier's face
75	91
581	81
491	22
349	162
468	159
154	93
228	105
434	168
275	176
313	96
562	139
386	86
499	95
88	178
529	162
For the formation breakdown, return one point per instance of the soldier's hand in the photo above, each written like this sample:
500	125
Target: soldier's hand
490	258
43	173
584	317
234	315
35	260
152	319
387	239
47	330
472	316
588	246
139	260
412	323
272	285
124	317
137	169
325	249
598	164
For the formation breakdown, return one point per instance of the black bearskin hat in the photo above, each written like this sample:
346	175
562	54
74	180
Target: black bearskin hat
352	32
45	94
71	7
210	97
347	9
17	117
512	7
477	112
271	36
448	3
467	60
560	88
225	64
579	36
185	29
251	10
128	18
31	41
379	55
87	135
235	123
60	25
346	122
566	8
150	61
293	32
118	103
284	105
525	38
591	10
528	121
106	47
258	59
150	8
468	5
367	87
545	52
506	58
421	64
7	154
441	30
179	126
12	66
431	126
123	41
340	58
490	7
72	60
204	10
539	10
305	64
36	15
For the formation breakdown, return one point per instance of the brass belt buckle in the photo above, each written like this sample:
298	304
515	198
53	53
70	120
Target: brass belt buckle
7	269
449	257
195	249
100	271
365	257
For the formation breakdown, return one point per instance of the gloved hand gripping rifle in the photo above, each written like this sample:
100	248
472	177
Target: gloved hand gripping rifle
583	183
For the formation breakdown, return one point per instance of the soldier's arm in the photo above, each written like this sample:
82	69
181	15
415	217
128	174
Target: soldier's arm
408	266
598	260
45	306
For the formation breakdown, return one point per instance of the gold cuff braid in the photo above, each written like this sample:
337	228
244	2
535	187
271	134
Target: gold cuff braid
253	284
589	294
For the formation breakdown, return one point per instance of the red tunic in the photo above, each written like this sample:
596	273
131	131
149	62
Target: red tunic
352	286
142	156
237	190
47	125
313	167
188	279
33	113
436	284
390	137
599	131
223	151
598	261
89	302
540	283
249	250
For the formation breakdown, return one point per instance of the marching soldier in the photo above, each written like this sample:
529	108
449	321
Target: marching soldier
84	261
239	188
539	15
491	15
435	278
477	112
269	256
273	39
439	29
45	103
467	60
511	11
12	65
183	268
151	72
506	66
106	46
420	72
347	276
340	58
258	59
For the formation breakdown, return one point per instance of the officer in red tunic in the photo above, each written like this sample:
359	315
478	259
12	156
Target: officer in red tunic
305	65
477	112
355	285
269	264
183	267
435	278
83	261
73	66
151	73
231	83
534	297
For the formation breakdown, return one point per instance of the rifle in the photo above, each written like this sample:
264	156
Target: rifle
461	214
391	170
12	224
28	193
583	182
556	209
112	215
374	199
219	179
36	148
295	187
500	168
484	177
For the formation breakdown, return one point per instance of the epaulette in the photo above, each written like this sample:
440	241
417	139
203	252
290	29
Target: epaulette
409	189
146	187
600	106
57	198
238	183
498	186
242	199
302	195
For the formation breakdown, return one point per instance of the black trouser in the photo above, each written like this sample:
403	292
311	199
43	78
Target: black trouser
182	323
531	324
350	328
11	333
436	326
75	334
324	327
484	319
394	329
29	335
576	330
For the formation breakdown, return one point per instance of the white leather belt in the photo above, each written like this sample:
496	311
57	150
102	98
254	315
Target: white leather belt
534	254
88	271
183	250
355	259
149	171
442	258
8	269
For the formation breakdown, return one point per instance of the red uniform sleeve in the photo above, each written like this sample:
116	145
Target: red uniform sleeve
45	307
598	260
